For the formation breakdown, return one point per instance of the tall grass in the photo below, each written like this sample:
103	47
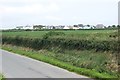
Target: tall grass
68	61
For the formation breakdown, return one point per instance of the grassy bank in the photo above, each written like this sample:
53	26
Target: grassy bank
67	61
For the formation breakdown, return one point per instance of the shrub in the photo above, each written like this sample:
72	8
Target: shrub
53	33
47	43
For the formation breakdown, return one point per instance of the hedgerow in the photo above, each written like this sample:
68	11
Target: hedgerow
38	43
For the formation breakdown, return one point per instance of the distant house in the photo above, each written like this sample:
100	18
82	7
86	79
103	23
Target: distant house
99	26
59	27
27	27
49	27
54	27
76	27
87	27
19	27
38	26
81	26
24	27
68	27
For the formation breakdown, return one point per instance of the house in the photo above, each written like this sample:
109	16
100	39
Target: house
24	27
68	27
54	27
88	27
99	26
76	28
49	27
19	27
28	27
38	26
81	26
59	27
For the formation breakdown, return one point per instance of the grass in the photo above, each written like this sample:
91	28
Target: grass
1	77
92	63
69	34
50	57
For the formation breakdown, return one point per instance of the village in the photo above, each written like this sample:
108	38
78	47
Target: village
78	26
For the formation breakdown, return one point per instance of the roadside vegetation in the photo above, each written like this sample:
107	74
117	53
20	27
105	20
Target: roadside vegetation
69	65
89	52
1	77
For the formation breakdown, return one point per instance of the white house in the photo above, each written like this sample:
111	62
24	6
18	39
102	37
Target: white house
71	27
86	27
76	28
66	27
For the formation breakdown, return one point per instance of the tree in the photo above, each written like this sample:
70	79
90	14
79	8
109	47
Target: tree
75	25
118	26
109	26
19	27
80	25
53	27
88	25
38	26
113	26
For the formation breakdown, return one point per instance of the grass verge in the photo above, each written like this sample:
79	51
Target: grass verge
2	77
91	73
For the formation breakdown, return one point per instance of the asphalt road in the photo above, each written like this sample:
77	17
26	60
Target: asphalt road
17	66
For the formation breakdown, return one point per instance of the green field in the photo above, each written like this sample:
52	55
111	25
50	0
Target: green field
69	34
89	49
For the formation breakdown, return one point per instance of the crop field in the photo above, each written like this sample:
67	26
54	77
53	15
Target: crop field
69	34
90	49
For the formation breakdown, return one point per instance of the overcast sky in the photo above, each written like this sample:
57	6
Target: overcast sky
57	12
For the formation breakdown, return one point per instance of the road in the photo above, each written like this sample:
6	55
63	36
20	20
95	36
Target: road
17	66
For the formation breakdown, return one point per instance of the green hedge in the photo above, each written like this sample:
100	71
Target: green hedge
48	43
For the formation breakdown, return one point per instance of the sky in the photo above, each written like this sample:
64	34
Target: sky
57	12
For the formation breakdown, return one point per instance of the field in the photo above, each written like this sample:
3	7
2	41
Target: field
69	34
95	50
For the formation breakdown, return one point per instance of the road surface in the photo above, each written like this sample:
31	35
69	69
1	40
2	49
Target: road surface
17	66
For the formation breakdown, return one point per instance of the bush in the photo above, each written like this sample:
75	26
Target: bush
48	43
53	33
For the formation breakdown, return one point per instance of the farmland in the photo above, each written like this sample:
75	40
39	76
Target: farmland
89	49
69	34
